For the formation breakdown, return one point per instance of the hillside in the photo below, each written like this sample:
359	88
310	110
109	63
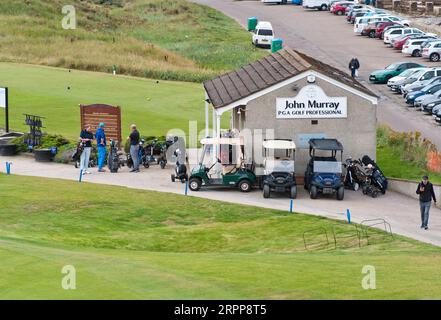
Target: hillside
164	39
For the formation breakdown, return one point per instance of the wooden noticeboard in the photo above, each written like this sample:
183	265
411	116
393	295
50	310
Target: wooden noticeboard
94	114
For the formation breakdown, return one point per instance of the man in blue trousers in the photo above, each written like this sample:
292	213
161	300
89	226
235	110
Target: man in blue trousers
101	143
426	193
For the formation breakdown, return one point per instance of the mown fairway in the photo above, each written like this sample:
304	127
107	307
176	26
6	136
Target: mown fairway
144	245
155	106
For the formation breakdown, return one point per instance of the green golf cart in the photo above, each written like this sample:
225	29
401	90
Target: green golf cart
233	173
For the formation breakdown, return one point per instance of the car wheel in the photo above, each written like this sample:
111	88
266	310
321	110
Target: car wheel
434	57
266	191
339	12
341	193
162	164
372	34
416	53
313	192
195	184
355	186
173	178
245	186
293	192
323	7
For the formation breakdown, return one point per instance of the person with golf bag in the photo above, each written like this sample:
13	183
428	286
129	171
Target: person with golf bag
86	138
100	136
134	147
426	193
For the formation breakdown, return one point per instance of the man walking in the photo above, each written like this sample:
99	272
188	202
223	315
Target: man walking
354	65
134	147
426	193
86	137
101	144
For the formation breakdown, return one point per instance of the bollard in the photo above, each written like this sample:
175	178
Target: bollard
8	168
81	176
186	187
291	204
348	215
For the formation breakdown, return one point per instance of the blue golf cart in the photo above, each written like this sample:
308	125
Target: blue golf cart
324	172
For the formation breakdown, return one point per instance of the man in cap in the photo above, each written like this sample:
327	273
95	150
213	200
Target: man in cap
426	193
134	147
101	143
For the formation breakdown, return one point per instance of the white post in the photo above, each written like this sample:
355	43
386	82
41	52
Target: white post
207	117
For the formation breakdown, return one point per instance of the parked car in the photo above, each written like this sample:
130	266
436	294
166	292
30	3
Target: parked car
382	76
339	8
395	82
427	90
388	25
263	34
395	33
275	1
413	46
399	85
432	51
321	5
428	104
370	29
399	42
437	116
362	22
420	80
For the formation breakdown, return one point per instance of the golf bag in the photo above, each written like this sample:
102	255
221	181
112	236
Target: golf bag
77	154
155	153
180	169
378	179
354	177
113	161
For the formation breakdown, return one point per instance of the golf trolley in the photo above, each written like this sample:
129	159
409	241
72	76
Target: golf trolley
155	153
233	175
324	173
279	173
180	169
76	156
114	161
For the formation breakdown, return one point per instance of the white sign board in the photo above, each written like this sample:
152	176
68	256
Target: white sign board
2	98
311	102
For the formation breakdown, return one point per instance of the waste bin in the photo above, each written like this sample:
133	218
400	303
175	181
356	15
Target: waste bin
276	45
252	23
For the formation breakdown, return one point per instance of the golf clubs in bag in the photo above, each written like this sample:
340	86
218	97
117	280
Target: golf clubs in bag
113	161
353	178
180	169
76	156
378	179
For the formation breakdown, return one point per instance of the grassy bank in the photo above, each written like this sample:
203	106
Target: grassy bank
146	245
56	94
159	39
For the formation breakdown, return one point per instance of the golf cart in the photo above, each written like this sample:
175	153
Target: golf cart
324	173
233	173
278	162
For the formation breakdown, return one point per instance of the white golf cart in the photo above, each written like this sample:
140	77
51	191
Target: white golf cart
279	173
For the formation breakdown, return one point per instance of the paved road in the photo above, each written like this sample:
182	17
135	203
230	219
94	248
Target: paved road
400	211
330	39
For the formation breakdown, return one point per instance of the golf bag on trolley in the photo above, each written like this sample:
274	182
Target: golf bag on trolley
378	179
113	161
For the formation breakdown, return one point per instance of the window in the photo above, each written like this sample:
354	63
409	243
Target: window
428	75
438	73
438	45
396	32
264	32
407	31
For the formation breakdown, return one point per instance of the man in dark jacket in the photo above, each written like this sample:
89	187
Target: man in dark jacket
426	192
354	65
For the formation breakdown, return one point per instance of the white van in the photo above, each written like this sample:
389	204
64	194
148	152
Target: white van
263	34
275	1
316	4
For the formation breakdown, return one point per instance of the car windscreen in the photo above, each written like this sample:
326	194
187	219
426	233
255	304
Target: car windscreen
327	166
392	66
265	32
417	74
407	72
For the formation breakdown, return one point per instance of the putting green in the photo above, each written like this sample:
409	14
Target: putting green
147	245
155	106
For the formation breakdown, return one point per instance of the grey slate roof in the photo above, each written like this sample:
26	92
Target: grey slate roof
268	71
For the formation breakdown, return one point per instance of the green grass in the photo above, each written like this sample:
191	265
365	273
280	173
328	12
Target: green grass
129	244
154	107
163	39
393	167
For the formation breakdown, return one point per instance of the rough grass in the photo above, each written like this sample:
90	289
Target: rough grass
146	245
163	39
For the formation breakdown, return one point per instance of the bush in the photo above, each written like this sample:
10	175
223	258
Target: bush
19	142
52	140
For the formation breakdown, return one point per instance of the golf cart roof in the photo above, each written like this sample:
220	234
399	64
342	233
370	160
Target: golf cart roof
219	141
325	144
279	144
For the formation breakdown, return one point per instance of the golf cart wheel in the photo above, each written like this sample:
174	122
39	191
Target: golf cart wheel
245	186
146	165
374	194
195	184
293	192
173	178
313	192
266	191
364	189
355	186
341	193
162	163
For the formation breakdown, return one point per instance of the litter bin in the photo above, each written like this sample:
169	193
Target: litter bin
252	23
276	45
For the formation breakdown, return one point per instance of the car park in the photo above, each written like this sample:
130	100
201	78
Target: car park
432	51
383	76
263	34
321	5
